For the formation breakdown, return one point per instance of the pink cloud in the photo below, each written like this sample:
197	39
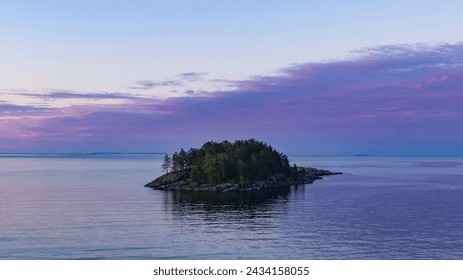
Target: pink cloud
391	94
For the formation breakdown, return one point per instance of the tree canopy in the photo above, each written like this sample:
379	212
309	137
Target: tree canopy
241	162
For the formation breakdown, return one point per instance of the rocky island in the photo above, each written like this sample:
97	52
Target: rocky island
244	165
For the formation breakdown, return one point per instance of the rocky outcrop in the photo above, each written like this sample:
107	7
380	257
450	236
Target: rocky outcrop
178	180
308	175
171	181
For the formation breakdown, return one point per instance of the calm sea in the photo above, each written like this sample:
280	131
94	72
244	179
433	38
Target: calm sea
55	206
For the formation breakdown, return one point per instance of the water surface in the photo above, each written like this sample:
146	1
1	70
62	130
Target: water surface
95	207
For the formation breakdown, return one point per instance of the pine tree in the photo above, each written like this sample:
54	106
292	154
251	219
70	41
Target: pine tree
166	164
241	162
182	159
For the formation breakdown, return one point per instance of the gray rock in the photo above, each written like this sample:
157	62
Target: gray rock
178	180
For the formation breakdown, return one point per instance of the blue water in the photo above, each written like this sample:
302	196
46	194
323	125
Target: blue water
94	206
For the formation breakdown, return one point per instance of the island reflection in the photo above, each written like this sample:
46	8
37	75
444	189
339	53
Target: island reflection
241	204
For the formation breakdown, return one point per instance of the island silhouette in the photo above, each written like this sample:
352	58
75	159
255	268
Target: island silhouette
244	165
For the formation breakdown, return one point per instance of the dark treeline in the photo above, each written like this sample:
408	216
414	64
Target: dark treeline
241	162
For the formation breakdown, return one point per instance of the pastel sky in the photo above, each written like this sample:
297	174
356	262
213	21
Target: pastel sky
311	77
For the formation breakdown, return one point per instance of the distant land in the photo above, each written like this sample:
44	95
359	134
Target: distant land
75	155
244	165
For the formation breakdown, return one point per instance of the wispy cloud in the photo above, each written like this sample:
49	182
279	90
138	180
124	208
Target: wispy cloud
67	95
387	97
63	99
6	107
176	81
148	84
192	76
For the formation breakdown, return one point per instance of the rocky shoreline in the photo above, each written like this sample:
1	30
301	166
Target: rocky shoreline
178	180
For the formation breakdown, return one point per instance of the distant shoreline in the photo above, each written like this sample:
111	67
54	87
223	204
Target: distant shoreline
74	155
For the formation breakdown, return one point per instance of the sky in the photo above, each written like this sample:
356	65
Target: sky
308	77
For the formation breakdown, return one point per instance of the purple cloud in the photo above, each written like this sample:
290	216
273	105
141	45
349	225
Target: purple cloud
391	99
17	110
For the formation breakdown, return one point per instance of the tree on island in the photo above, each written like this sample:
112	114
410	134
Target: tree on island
180	160
166	164
241	162
244	165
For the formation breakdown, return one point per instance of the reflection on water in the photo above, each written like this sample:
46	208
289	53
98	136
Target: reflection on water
231	201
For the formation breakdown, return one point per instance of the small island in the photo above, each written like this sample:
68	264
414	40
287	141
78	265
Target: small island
244	165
